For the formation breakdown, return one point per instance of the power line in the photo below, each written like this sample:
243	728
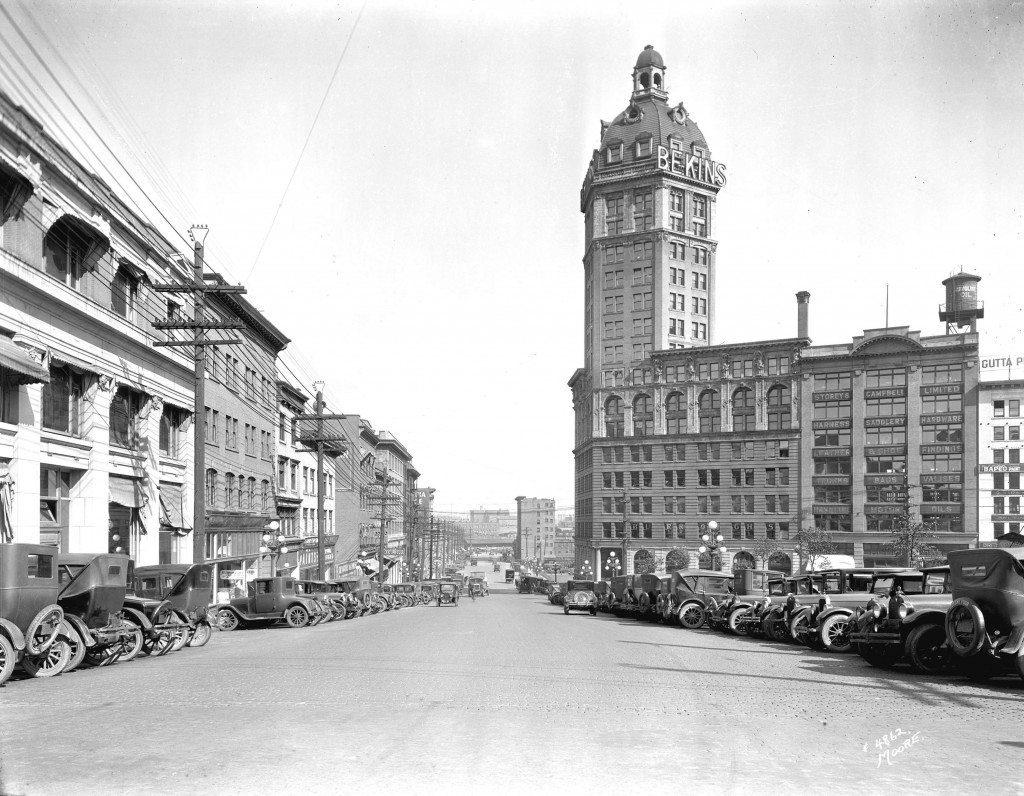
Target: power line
309	135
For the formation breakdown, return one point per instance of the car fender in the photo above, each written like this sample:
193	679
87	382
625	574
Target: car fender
832	612
138	618
81	628
1015	641
692	601
925	615
798	611
215	609
13	633
736	605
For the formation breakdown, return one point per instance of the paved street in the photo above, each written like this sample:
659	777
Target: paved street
504	694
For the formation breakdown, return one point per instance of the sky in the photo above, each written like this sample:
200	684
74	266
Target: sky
397	184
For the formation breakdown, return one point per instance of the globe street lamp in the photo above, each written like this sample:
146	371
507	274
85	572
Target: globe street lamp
612	565
273	542
586	571
712	543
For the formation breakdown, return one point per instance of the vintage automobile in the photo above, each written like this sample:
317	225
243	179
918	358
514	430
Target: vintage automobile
357	596
554	593
579	596
754	622
749	588
904	620
319	591
189	589
826	625
30	619
447	594
799	592
510	575
162	630
603	595
985	621
269	601
528	584
696	592
92	590
651	592
405	594
619	586
426	591
481	586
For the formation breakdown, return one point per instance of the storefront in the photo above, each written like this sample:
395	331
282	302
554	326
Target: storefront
233	544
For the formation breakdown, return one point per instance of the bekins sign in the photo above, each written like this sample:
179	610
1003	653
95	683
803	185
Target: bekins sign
692	167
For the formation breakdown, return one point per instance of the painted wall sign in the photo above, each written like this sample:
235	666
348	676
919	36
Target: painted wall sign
1007	492
1008	518
881	508
881	422
894	497
945	417
842	422
880	480
1002	362
999	468
930	509
885	392
834	395
693	167
884	450
942	389
831	508
941	478
830	453
942	448
830	480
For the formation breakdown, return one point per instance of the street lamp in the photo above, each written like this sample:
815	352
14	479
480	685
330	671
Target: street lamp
273	542
613	565
586	571
712	542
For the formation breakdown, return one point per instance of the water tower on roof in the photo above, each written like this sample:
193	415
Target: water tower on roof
962	307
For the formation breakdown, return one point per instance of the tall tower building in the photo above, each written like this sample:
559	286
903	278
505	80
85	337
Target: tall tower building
649	260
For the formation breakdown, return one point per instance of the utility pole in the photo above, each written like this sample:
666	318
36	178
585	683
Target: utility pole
320	437
384	498
431	546
199	326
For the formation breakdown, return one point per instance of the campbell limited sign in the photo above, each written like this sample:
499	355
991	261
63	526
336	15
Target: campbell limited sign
693	167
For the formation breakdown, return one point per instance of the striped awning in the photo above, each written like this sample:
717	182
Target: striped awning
25	369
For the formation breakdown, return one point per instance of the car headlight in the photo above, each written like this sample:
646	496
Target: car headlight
876	610
791	601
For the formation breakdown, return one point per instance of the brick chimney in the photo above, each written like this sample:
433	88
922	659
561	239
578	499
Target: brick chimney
803	299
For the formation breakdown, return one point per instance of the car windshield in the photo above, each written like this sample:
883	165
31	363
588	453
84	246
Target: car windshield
936	583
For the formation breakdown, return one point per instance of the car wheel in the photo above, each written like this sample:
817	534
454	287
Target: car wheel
965	627
34	642
227	620
77	650
835	633
692	616
49	663
734	616
881	656
181	633
778	630
103	656
7	655
296	616
161	644
927	649
133	645
201	635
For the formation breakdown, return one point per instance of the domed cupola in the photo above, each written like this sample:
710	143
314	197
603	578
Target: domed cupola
649	75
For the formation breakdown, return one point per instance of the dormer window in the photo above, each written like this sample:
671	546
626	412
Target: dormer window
613	154
675	145
699	151
644	147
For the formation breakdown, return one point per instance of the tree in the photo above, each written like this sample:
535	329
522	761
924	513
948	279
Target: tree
676	559
764	549
910	541
813	547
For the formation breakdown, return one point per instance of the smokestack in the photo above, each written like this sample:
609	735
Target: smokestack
803	299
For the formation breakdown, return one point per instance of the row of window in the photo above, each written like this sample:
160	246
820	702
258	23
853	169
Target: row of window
643	210
709	411
1000	433
930	435
930	493
644	479
678	530
890	377
706	451
237	492
888	407
1006	408
677	276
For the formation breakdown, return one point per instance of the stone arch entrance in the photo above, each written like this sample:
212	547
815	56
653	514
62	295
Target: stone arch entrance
676	559
643	562
743	560
780	562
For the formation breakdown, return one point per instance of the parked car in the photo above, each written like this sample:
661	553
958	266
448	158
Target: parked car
357	591
30	618
426	592
801	591
754	622
447	594
188	587
651	594
510	575
269	601
162	631
579	596
92	590
905	619
619	586
603	595
747	586
319	592
697	592
826	625
985	621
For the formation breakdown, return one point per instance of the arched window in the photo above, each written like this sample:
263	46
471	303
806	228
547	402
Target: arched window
780	562
265	505
643	562
70	249
211	488
779	412
675	413
251	495
230	493
743	409
614	417
643	416
743	560
124	293
676	559
709	408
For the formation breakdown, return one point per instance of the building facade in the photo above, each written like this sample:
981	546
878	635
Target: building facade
94	450
999	462
535	528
